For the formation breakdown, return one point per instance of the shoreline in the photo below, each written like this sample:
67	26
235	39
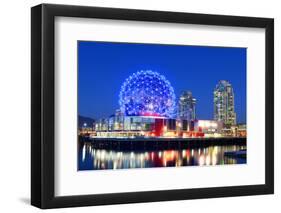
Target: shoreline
134	144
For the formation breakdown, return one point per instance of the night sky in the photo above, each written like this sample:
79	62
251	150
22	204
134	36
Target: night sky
103	67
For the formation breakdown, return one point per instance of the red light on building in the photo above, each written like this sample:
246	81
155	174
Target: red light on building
159	126
149	114
199	134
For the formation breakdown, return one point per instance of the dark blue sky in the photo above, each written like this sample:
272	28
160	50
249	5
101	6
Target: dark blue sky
103	67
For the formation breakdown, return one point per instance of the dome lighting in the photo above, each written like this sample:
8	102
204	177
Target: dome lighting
147	93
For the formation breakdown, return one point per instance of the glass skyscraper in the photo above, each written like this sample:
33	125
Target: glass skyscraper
224	103
186	106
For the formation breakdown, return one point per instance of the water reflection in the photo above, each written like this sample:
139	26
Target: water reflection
95	159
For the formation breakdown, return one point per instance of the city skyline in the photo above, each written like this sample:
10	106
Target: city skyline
90	92
185	107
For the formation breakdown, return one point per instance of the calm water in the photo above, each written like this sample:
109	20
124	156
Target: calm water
95	159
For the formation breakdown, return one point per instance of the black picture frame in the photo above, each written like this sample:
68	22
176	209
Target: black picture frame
43	110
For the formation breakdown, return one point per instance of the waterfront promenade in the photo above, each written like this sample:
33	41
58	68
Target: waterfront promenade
159	143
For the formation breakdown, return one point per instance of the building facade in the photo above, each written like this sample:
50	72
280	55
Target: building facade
224	103
208	126
186	106
119	125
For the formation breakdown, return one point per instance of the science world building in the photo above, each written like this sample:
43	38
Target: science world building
147	93
148	108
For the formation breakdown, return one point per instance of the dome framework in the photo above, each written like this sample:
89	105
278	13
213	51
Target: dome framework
147	93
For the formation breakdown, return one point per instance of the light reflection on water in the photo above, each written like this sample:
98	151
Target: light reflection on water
96	159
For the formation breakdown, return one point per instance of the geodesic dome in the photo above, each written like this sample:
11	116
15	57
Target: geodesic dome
147	93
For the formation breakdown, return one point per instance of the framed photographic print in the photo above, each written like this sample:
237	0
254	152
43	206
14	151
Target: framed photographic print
139	106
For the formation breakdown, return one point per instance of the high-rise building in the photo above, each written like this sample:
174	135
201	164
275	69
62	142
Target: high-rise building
118	120
186	106
224	103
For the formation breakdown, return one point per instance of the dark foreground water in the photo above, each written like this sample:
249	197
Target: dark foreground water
90	158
